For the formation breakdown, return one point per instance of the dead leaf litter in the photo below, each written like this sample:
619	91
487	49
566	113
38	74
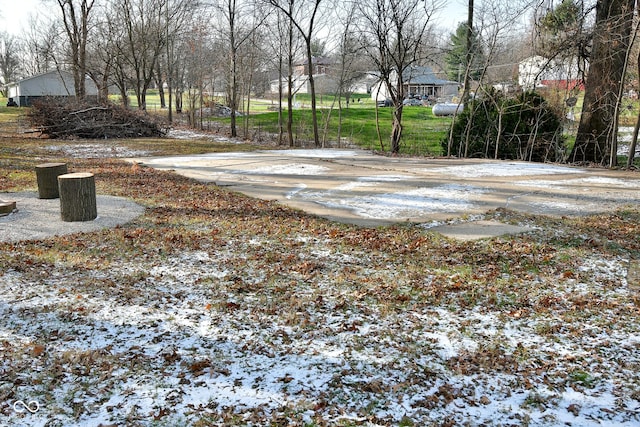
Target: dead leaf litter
216	309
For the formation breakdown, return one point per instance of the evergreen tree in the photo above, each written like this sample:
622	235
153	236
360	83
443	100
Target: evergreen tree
456	57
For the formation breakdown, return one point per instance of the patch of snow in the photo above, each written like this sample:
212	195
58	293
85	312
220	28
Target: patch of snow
185	161
191	134
385	178
348	359
593	180
412	202
286	169
574	207
316	153
92	151
503	170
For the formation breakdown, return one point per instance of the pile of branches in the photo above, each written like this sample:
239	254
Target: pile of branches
59	118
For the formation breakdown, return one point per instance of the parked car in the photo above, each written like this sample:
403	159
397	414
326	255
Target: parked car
412	101
385	103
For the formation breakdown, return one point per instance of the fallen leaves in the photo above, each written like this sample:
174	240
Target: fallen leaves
214	308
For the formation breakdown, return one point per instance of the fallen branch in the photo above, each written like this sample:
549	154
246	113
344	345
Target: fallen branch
62	119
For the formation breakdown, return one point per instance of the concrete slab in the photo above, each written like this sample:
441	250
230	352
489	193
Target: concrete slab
356	186
476	230
36	218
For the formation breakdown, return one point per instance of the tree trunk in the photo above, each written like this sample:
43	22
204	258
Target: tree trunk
636	128
47	178
7	208
312	87
396	130
596	135
290	84
77	197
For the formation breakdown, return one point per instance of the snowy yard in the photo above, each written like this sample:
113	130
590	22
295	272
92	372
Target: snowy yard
217	309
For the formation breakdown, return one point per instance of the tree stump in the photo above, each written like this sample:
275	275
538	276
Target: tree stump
77	197
47	177
7	207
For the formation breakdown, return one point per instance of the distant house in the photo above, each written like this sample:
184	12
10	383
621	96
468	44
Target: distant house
538	71
419	81
321	65
52	84
323	80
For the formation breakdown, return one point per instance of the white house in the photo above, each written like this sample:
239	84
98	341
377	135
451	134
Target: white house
51	84
538	71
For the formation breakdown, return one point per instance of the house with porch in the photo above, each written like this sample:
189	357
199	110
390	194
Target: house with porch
419	81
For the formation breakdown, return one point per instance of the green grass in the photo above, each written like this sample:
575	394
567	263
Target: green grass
422	132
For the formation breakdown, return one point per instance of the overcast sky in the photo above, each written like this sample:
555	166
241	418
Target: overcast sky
15	13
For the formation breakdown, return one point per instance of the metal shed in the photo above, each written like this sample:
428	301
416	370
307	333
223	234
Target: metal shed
51	84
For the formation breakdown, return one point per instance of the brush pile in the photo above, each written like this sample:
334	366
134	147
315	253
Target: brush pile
61	119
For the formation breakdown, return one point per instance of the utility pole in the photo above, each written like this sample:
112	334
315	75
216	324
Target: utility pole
469	56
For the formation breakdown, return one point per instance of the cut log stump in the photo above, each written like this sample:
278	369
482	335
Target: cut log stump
77	197
7	207
47	177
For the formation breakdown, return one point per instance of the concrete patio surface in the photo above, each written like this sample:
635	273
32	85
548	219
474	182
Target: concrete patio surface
356	186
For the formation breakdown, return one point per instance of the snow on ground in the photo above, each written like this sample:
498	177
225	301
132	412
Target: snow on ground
315	153
163	341
191	134
504	169
397	192
450	198
181	348
593	181
106	149
286	169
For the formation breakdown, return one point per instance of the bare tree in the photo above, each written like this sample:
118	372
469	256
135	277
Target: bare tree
636	128
194	67
39	47
240	21
393	35
284	47
76	16
303	16
9	59
177	15
138	28
350	65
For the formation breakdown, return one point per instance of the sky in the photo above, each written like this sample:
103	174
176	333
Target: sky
454	12
14	14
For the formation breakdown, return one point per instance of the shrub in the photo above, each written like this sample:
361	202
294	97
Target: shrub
524	127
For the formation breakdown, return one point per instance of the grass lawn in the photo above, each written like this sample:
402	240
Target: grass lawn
216	309
422	131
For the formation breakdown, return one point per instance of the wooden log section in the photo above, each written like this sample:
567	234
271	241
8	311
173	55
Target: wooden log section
7	207
77	197
47	177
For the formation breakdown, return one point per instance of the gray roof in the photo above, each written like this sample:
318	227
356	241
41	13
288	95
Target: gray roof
424	76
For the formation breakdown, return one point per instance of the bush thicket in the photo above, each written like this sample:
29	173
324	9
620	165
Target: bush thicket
525	127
